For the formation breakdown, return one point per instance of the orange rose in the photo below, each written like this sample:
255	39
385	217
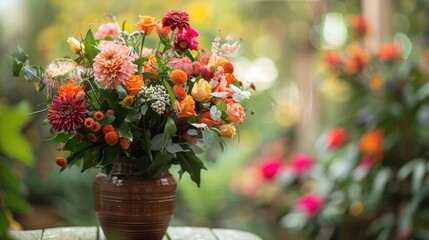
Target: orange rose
371	143
147	65
186	107
227	130
235	113
146	24
205	118
164	32
134	84
201	91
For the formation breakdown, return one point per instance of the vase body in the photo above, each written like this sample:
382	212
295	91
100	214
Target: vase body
134	207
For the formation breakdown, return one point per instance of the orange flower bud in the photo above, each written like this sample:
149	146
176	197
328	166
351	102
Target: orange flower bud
60	161
227	130
75	45
124	142
146	24
178	76
111	138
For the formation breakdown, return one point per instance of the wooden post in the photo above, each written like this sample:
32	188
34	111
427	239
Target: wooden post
379	15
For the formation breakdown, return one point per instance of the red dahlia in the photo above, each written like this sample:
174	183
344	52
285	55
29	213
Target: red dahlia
65	113
175	19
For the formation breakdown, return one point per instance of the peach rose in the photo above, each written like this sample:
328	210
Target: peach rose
75	45
146	24
201	91
227	130
205	118
235	113
134	84
147	65
186	107
164	32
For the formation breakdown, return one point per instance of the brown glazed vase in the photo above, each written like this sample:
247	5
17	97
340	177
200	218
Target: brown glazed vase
135	207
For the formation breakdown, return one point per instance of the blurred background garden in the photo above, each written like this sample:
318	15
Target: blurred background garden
336	138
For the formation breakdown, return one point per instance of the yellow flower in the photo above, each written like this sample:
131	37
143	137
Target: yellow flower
227	130
201	91
75	45
376	82
128	100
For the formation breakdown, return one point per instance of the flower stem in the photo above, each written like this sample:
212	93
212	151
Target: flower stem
36	112
95	93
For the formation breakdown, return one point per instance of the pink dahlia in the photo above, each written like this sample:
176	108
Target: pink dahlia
185	40
309	204
60	71
65	113
176	19
110	29
113	65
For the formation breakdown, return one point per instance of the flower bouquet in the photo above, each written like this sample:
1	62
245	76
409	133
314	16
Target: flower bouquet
156	105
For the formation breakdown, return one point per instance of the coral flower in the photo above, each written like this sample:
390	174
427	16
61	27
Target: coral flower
356	61
336	138
124	142
113	65
128	100
96	127
179	92
71	89
309	204
207	119
60	161
98	115
134	84
389	51
146	24
178	76
360	25
301	164
228	67
108	128
164	32
371	144
270	167
110	29
176	19
332	58
65	113
110	112
111	138
235	113
88	122
91	137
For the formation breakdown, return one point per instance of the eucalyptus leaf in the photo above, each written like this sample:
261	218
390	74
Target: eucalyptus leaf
215	114
418	175
170	130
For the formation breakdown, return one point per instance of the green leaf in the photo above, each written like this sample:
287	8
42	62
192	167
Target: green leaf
189	55
110	154
90	47
192	165
418	175
91	158
19	58
210	137
124	131
74	145
160	163
8	180
146	144
143	109
170	93
139	61
221	105
31	73
60	137
12	143
15	202
170	130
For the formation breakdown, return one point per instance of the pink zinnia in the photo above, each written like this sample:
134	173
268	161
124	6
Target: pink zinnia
185	40
113	65
309	204
176	19
270	167
301	164
65	113
110	29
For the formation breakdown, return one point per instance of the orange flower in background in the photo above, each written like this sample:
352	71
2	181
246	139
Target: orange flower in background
146	24
376	82
356	60
235	113
147	65
164	32
71	89
371	143
359	25
389	51
230	78
332	58
336	138
179	92
186	107
134	84
206	118
201	91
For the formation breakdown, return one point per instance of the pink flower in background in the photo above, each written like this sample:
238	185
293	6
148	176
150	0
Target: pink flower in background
336	138
301	164
309	204
113	65
184	64
270	167
110	29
